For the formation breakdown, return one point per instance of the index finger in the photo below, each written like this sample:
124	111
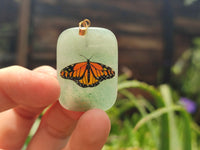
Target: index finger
20	86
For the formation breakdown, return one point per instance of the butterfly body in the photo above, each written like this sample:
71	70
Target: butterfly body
87	74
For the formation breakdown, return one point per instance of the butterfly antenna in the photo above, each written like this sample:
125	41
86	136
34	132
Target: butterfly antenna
86	57
91	57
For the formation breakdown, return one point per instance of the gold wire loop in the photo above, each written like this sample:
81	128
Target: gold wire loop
83	26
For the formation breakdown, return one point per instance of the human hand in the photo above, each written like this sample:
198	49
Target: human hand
23	96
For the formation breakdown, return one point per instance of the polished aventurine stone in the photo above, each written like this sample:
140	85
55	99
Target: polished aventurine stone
99	45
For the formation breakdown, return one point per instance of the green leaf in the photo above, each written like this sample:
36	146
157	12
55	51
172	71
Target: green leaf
174	142
164	134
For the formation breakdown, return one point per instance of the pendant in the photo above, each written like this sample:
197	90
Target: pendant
87	66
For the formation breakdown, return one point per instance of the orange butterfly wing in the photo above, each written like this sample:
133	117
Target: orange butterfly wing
74	72
87	74
101	72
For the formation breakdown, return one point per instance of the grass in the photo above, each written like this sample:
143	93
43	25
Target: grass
139	125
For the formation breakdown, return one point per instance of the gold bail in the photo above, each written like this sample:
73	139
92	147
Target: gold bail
83	26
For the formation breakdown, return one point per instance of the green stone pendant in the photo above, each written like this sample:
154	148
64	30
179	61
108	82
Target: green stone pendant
87	67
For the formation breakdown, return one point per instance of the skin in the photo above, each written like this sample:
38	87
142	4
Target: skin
24	94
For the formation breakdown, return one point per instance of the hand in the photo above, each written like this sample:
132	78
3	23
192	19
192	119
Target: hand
23	96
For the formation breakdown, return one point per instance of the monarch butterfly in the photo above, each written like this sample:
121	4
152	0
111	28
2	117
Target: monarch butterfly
87	74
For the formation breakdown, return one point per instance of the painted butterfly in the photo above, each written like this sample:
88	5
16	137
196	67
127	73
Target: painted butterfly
87	74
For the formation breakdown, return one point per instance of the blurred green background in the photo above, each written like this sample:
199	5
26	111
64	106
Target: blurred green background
159	62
